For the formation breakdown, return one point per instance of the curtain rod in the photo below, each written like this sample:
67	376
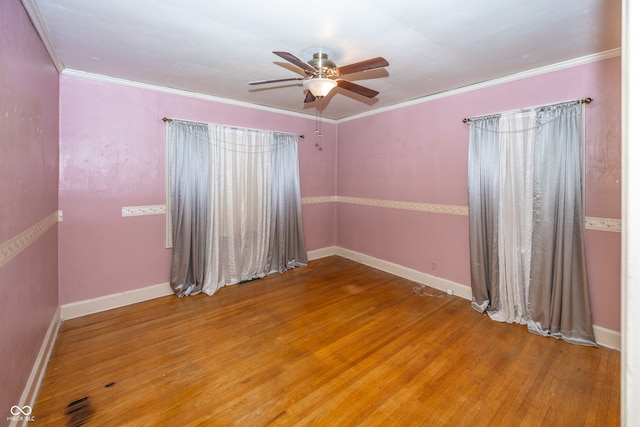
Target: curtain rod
469	120
167	119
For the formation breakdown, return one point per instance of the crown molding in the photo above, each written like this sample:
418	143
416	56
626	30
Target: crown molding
518	76
507	79
172	91
36	19
38	23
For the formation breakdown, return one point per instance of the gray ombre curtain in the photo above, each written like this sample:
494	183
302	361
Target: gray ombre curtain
253	209
189	161
526	216
288	250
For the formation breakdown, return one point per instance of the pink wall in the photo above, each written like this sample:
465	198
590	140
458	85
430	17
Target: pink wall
419	154
29	193
112	154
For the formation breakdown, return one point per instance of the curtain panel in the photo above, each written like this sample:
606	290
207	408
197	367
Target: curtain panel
189	170
526	219
252	223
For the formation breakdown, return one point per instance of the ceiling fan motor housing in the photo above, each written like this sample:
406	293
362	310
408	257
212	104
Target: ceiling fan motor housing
323	64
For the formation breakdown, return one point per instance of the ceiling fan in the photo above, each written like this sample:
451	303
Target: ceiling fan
322	74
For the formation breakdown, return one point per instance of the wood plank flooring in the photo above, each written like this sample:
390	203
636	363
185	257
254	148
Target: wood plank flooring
332	344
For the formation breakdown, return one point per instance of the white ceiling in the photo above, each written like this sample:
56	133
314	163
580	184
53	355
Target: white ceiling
216	47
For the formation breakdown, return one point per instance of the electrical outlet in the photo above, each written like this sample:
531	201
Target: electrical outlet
434	267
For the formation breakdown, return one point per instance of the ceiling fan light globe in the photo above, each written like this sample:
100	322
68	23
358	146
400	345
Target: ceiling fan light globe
319	87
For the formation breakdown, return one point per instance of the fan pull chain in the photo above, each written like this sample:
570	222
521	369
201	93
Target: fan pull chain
318	130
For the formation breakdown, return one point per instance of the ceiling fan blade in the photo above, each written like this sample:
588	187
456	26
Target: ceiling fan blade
353	87
260	82
309	97
296	61
367	64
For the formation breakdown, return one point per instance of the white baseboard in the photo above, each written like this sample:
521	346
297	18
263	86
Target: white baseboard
608	338
604	337
408	273
31	388
322	253
107	302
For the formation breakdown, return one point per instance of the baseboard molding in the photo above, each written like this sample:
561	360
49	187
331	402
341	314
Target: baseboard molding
107	302
608	338
322	253
604	337
408	273
31	388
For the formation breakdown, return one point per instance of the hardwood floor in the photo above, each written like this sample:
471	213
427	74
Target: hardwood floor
332	344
